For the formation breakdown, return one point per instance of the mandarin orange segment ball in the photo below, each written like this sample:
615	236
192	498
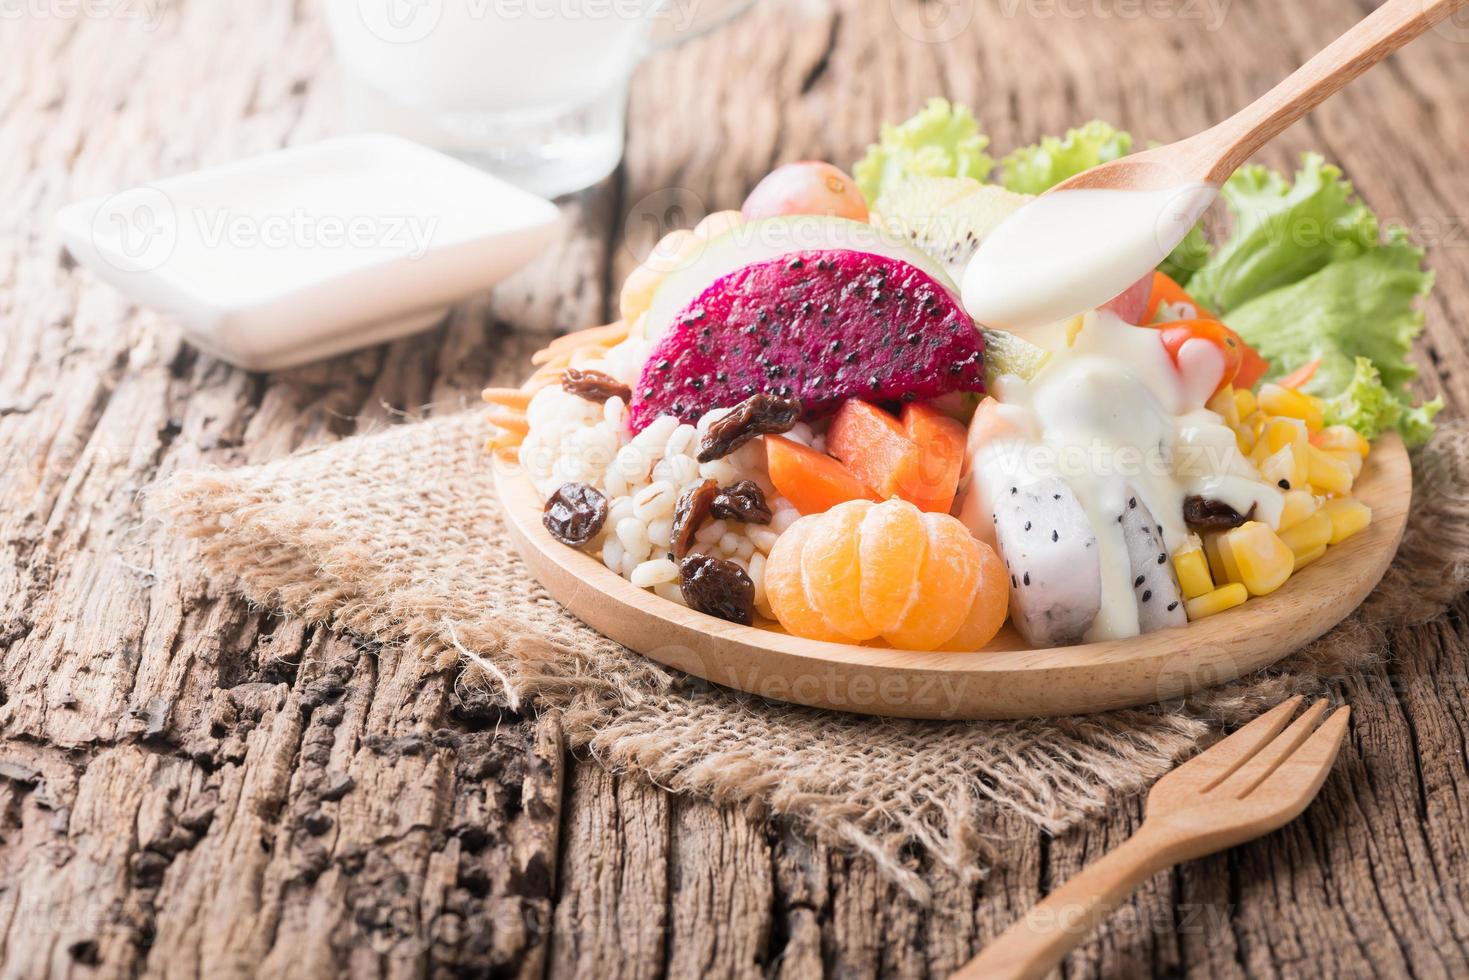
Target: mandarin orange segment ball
785	592
863	570
831	571
891	547
990	608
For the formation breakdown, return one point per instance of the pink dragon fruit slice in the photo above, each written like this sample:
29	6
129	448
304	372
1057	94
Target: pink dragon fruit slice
822	326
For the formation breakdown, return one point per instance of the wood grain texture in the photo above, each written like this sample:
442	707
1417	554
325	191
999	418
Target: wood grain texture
1240	788
190	786
1212	155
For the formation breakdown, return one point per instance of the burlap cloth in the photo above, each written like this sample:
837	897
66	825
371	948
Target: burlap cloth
397	536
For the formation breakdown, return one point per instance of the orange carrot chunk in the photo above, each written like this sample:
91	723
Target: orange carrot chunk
874	446
813	481
940	441
1165	290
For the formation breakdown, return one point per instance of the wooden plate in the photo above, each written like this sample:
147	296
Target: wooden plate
1005	680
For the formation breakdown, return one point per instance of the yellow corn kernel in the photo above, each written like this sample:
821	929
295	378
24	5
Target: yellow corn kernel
1255	421
1260	452
1299	505
1244	402
1292	404
1348	516
1244	438
1261	558
1193	571
1284	431
1224	404
1326	473
1222	598
1342	437
1073	329
1352	460
1221	564
1303	560
1286	469
1312	533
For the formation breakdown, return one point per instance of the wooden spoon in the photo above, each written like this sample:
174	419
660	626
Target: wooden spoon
1065	253
1214	154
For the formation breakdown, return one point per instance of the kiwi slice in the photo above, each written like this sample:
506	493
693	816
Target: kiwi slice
947	217
1006	353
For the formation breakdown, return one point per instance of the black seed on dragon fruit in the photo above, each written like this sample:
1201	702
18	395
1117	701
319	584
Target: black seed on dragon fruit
827	324
1055	588
1154	585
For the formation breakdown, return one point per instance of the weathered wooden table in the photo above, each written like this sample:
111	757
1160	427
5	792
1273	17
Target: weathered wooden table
191	786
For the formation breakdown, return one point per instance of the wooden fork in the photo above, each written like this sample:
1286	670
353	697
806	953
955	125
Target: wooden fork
1255	781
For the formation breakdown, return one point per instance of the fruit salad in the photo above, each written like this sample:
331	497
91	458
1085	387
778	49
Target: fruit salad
796	424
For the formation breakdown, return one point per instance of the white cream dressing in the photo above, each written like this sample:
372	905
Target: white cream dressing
1112	416
1071	251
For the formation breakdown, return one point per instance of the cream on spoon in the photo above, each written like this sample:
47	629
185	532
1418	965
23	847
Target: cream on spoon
1084	241
1072	251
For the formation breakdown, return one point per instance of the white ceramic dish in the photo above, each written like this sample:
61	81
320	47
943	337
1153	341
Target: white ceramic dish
300	254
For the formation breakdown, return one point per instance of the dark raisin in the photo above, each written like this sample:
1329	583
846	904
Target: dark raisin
757	415
1211	515
743	501
594	386
689	514
717	587
575	514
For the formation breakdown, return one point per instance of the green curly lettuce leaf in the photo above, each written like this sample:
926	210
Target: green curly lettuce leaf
1284	231
1041	166
942	140
1363	307
1368	407
1306	273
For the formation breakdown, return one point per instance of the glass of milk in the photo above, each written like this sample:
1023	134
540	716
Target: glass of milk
535	91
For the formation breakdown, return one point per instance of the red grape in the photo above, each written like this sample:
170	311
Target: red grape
807	187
